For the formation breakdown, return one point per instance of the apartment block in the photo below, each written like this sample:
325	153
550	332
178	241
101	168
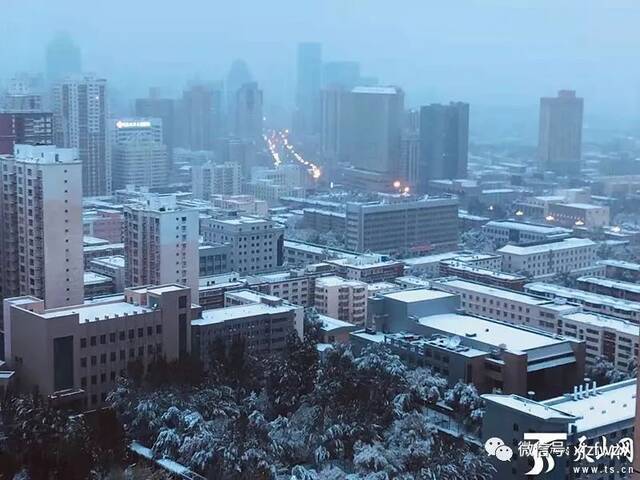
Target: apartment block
549	258
216	179
612	288
342	299
41	234
256	243
161	243
75	353
368	268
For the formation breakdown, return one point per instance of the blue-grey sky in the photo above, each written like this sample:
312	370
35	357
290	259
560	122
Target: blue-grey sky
488	52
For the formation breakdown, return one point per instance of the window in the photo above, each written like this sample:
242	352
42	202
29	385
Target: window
122	335
131	334
94	360
93	341
103	358
158	329
83	362
83	343
103	339
112	337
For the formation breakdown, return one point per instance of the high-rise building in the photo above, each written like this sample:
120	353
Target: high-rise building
161	243
560	133
22	95
80	122
139	154
309	81
238	76
164	109
24	128
41	234
215	179
248	112
399	224
373	128
341	74
444	143
201	120
63	58
333	116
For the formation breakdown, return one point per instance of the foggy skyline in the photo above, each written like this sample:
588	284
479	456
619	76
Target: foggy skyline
489	53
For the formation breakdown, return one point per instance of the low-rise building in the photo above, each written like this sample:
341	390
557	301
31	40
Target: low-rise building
324	220
592	302
621	270
212	289
106	250
368	268
588	413
303	253
585	215
549	258
342	299
97	285
76	352
502	232
429	265
214	258
482	275
612	288
112	267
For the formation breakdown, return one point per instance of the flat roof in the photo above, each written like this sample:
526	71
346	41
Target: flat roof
604	321
582	206
418	295
220	315
111	261
527	227
490	332
336	281
90	312
107	246
376	90
606	405
91	278
620	264
582	296
565	244
609	283
492	291
329	323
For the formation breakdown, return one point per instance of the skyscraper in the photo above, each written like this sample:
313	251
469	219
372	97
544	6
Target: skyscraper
80	121
63	58
139	154
248	112
161	243
373	127
309	81
341	74
560	133
163	109
238	75
201	117
41	238
334	102
444	143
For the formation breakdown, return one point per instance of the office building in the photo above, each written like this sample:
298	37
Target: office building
24	128
97	285
549	258
304	253
429	265
591	302
63	58
455	268
248	113
373	129
80	122
112	267
216	179
165	110
75	353
621	270
140	157
214	259
256	243
238	75
343	299
241	203
502	232
161	243
92	252
333	124
105	223
400	224
560	133
612	288
588	413
584	215
41	234
308	83
213	289
201	117
444	142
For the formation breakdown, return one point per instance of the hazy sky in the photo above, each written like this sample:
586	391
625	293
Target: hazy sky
488	52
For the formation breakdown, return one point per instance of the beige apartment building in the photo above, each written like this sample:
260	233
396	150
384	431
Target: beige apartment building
341	299
41	229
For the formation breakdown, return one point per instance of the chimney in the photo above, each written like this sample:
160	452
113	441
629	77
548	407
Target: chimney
575	392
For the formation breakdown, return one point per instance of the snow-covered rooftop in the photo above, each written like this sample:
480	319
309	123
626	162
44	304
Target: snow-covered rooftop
565	244
335	281
581	296
220	315
609	283
527	227
603	321
98	311
490	332
329	323
418	295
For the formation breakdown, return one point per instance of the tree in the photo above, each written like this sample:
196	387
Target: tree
463	398
604	372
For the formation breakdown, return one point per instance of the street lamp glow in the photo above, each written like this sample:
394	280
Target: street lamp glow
396	184
549	218
519	213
